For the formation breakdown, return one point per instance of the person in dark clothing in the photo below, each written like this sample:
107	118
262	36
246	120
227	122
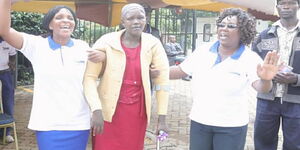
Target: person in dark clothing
282	103
7	66
155	32
173	49
148	28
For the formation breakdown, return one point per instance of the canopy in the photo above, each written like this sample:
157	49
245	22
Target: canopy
107	12
266	6
100	11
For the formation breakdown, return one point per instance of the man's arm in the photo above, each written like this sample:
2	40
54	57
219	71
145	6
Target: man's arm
179	48
169	50
287	78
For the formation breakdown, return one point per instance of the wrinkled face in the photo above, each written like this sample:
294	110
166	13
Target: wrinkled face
62	24
228	32
134	21
287	8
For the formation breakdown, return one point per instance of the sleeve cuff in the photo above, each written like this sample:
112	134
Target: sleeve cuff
298	81
102	50
162	87
95	107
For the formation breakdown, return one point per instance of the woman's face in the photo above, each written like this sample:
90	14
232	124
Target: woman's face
228	32
134	21
62	24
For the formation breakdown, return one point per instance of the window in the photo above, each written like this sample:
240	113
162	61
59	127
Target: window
206	32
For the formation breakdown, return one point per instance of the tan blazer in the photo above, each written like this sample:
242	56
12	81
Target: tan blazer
106	95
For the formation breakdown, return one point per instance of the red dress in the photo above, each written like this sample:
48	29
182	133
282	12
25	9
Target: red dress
128	126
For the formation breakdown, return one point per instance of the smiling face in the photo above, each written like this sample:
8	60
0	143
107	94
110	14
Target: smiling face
287	8
134	21
62	24
228	32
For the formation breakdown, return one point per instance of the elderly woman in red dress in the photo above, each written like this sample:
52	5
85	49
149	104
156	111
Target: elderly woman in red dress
121	103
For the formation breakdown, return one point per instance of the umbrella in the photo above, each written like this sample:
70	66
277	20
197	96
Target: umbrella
107	12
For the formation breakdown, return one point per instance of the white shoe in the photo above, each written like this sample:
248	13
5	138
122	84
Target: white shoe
9	139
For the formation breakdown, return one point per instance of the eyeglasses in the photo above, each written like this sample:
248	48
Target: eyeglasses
229	26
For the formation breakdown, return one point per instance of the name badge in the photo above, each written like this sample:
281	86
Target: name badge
5	48
269	44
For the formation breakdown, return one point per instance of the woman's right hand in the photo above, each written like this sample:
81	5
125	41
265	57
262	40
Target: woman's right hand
97	122
96	56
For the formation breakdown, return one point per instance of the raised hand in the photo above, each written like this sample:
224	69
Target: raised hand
269	68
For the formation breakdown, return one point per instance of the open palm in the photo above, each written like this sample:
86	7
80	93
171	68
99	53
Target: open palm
269	68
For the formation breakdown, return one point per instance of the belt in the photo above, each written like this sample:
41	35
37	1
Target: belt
4	71
278	99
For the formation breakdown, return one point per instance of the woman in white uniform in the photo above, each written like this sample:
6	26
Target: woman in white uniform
222	73
60	115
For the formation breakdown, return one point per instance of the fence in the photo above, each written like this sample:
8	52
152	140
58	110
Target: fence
170	21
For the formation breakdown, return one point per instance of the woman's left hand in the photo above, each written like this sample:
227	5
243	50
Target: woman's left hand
269	68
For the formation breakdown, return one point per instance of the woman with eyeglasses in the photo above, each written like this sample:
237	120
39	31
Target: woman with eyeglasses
60	115
222	74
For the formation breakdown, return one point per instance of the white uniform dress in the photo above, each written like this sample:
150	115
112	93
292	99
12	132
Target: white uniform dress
220	88
58	101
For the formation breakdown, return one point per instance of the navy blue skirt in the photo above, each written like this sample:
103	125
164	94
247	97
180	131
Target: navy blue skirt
62	140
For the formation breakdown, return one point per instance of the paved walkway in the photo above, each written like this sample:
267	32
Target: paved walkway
177	119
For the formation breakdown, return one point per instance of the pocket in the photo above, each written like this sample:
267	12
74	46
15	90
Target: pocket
232	82
130	92
266	107
269	44
78	65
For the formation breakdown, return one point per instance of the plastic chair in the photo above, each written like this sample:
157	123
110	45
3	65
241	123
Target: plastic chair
7	121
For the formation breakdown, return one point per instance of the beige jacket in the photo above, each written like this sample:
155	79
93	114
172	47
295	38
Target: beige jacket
105	96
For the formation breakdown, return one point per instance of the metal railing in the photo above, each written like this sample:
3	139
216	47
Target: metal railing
169	21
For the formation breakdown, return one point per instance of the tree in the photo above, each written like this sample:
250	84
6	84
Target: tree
28	22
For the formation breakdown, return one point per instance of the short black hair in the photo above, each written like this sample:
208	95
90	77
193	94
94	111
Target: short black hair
296	0
147	8
51	13
245	21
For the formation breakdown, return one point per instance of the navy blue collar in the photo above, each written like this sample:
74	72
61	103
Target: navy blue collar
236	55
1	40
54	46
